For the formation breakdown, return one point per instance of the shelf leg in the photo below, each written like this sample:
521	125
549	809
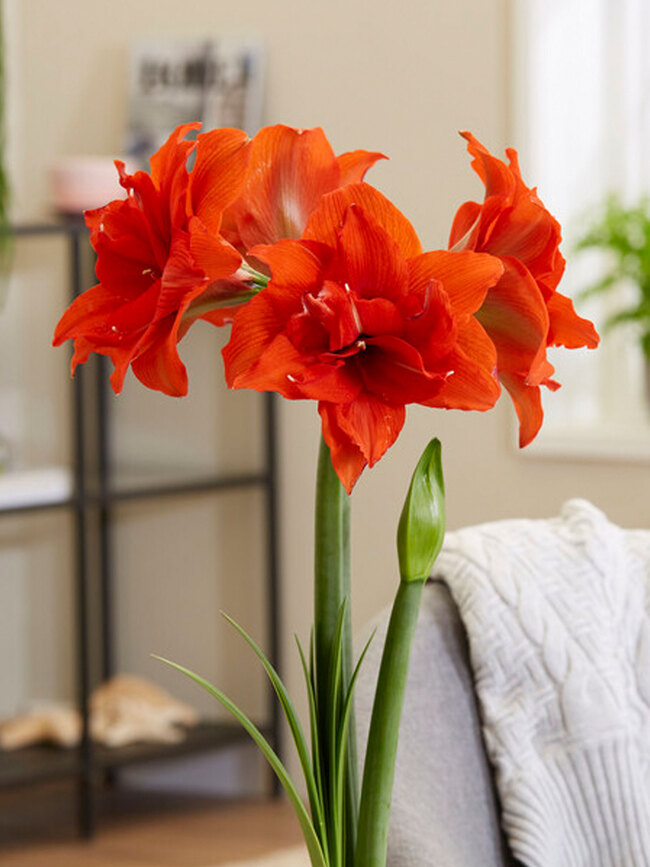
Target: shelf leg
103	465
110	777
85	788
86	811
273	572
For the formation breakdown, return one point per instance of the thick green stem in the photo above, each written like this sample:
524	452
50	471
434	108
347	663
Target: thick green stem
331	572
331	588
381	752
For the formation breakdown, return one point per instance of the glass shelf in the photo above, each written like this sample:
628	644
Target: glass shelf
35	489
52	487
131	483
48	763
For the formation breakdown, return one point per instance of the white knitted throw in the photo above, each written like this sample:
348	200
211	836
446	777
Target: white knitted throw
558	619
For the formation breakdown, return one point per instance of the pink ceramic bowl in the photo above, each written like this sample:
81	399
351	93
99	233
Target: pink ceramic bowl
83	182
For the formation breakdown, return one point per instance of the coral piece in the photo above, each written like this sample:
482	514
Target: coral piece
52	724
126	709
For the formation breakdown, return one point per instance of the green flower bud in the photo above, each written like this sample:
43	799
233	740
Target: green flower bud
421	528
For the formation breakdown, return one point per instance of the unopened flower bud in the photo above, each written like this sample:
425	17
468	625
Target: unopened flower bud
421	528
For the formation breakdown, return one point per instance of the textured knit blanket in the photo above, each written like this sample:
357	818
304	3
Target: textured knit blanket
557	614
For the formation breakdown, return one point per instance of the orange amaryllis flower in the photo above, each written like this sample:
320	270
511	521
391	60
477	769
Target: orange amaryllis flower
288	173
159	257
523	313
359	319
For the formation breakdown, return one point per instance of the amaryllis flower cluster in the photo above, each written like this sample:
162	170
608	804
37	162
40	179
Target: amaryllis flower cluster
330	294
523	313
171	252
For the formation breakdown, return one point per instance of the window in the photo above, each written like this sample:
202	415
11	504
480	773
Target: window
581	111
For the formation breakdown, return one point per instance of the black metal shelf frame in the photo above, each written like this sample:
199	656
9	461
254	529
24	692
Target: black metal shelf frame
41	764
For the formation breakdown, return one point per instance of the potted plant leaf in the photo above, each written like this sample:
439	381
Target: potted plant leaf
623	232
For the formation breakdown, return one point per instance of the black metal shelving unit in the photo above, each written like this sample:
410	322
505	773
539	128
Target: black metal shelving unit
95	494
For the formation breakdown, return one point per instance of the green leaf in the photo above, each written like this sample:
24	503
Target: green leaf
319	769
347	704
291	717
311	839
316	763
604	285
623	232
635	314
645	345
331	719
341	744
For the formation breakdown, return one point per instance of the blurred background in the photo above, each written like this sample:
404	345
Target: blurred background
564	81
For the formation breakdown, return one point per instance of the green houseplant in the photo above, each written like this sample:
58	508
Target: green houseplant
623	232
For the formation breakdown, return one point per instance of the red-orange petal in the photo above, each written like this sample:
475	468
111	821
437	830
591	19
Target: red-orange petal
111	217
181	280
271	368
173	154
514	315
372	424
280	367
222	316
566	327
218	175
527	401
325	222
296	263
473	385
371	260
394	372
354	165
159	366
102	317
256	326
289	171
87	310
466	276
528	232
211	253
378	316
465	226
494	173
347	458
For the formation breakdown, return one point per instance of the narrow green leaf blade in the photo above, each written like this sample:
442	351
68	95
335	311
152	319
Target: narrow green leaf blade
313	846
316	765
334	703
290	714
345	714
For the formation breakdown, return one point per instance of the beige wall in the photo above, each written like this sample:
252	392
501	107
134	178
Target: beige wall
400	78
